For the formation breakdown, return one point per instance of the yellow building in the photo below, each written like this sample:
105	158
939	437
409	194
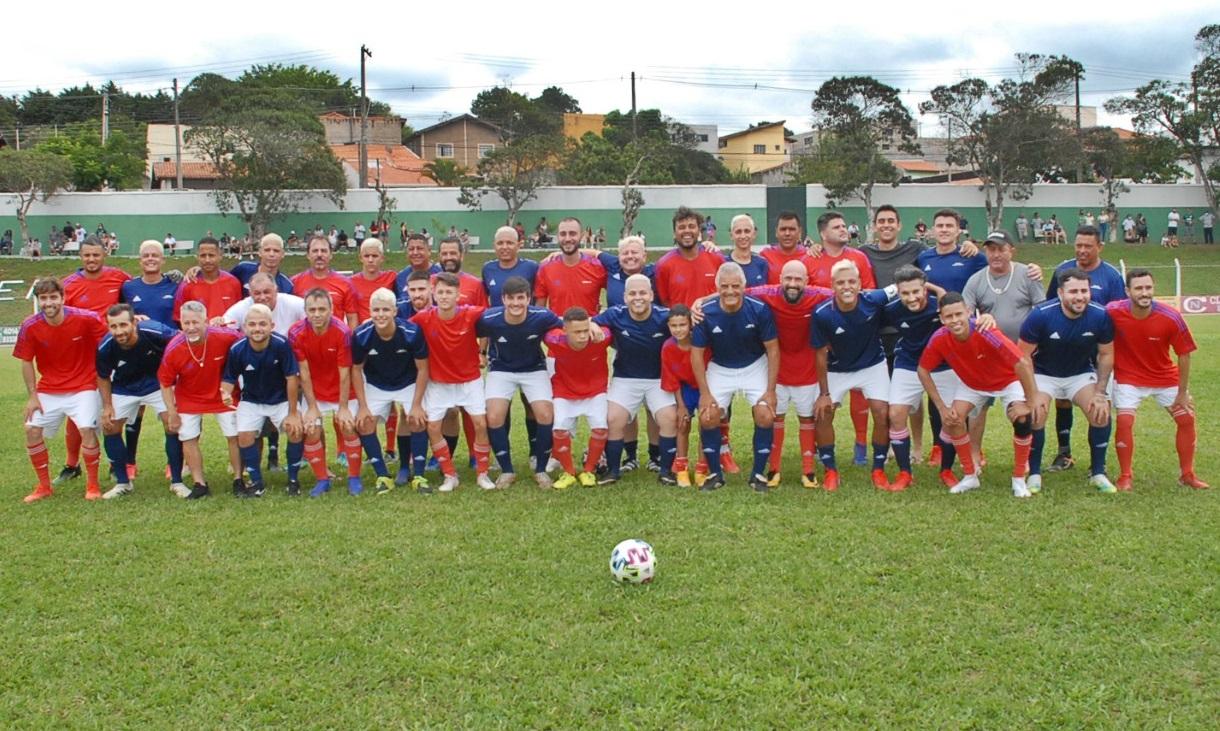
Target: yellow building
577	125
755	149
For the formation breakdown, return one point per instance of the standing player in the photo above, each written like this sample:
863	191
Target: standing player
214	287
678	379
787	247
744	233
508	263
989	365
152	293
270	256
570	279
632	259
946	265
419	259
1071	341
319	275
470	287
1144	332
579	386
372	277
56	349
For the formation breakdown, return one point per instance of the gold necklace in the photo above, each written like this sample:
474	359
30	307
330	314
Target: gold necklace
202	356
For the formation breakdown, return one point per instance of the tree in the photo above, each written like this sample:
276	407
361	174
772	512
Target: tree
514	173
118	164
446	173
32	175
269	159
848	165
519	116
1010	133
666	149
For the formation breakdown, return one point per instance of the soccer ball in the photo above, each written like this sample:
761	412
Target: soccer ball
633	562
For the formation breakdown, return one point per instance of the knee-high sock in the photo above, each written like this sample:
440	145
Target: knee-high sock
710	439
419	452
355	457
859	416
402	440
563	450
597	445
92	455
249	460
777	444
498	436
1020	454
1099	443
881	450
543	440
372	450
826	455
808	443
391	430
763	439
451	441
531	435
725	441
1063	428
666	449
131	433
273	444
315	455
1185	440
900	440
948	452
614	456
654	451
116	452
680	464
296	451
444	458
72	443
962	445
482	453
468	432
631	449
1035	451
41	460
1124	441
173	455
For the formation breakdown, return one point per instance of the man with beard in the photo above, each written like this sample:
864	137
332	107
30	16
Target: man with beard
319	275
787	247
470	287
572	279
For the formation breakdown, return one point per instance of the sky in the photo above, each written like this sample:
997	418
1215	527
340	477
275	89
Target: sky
729	64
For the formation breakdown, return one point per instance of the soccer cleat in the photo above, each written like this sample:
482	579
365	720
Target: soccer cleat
565	481
354	486
727	463
935	456
859	455
484	482
607	479
420	484
880	481
831	482
449	484
505	480
403	476
809	481
1019	488
389	456
543	480
180	489
948	479
1063	461
713	482
773	478
67	473
552	464
133	471
1103	484
1189	480
1034	483
256	489
587	479
629	465
760	483
653	466
294	488
669	479
700	474
93	492
683	479
39	493
199	492
1125	483
384	485
320	489
273	465
119	490
239	488
902	482
966	484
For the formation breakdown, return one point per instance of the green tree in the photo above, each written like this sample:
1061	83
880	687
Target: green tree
514	173
666	149
446	173
32	175
118	164
518	116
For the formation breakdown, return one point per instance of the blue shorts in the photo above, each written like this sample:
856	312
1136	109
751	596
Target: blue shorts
690	397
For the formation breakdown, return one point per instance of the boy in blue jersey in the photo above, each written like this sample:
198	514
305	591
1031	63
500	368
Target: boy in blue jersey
846	332
270	392
745	358
507	263
127	362
1071	341
515	332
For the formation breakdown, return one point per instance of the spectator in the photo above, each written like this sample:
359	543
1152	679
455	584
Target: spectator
1022	228
79	233
543	232
921	230
1208	219
427	237
709	230
854	232
101	230
403	232
1141	228
1174	219
33	249
169	243
1188	223
358	233
965	229
464	240
599	239
453	232
6	242
341	239
1090	219
1129	234
1039	227
333	237
1103	224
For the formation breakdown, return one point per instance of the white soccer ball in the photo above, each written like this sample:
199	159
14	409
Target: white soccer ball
633	562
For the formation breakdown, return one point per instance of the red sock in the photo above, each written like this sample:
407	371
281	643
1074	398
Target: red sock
1020	455
1124	441
92	456
315	455
561	449
481	452
468	431
809	449
355	455
42	463
963	451
391	430
597	445
72	443
777	445
444	458
1185	440
859	416
334	423
724	431
681	464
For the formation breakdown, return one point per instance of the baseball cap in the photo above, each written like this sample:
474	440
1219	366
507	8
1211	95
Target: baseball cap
998	238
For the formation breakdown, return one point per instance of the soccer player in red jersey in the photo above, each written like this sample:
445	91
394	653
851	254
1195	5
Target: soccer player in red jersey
215	288
470	287
571	279
678	378
579	387
787	247
190	376
989	366
455	378
1144	332
320	275
688	271
56	348
371	277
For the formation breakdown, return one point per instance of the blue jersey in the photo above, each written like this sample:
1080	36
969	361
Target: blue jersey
914	329
154	301
516	348
389	364
1066	346
247	269
401	279
406	310
736	338
495	275
133	371
1105	282
637	343
264	373
853	336
757	271
949	271
616	278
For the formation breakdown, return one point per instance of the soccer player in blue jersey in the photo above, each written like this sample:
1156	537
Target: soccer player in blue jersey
270	256
269	377
389	366
944	264
640	329
127	362
756	268
419	259
1071	341
152	293
508	263
515	332
846	332
632	259
416	295
745	358
1106	285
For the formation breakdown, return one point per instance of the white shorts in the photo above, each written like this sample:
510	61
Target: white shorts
630	393
127	407
381	403
751	381
192	425
593	409
252	416
536	385
907	390
332	407
1010	393
874	381
1065	387
1128	397
440	397
801	398
81	407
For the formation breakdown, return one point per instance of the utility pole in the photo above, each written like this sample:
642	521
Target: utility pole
177	140
364	121
1079	163
633	127
948	149
105	116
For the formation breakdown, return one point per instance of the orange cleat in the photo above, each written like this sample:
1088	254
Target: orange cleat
831	481
948	479
93	492
727	464
880	481
1189	480
1124	483
40	493
902	482
934	456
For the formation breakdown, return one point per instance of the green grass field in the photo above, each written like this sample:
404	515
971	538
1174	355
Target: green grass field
795	609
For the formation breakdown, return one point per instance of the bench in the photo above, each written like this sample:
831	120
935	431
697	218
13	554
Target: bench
70	247
183	247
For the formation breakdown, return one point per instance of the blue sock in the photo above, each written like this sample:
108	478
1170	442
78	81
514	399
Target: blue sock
372	450
654	452
403	442
711	448
419	451
531	434
614	455
273	445
902	452
1063	428
948	453
631	449
665	453
131	435
826	454
249	459
116	452
1035	451
544	439
498	437
880	452
1099	442
762	448
173	454
296	452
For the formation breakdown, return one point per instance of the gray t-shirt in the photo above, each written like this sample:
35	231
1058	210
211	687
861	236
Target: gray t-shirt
885	263
1010	304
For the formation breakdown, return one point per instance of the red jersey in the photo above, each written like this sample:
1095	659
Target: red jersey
797	360
339	287
217	296
363	288
675	367
819	276
95	295
325	354
470	290
64	354
566	286
1141	346
984	361
776	259
579	374
682	281
194	370
453	347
